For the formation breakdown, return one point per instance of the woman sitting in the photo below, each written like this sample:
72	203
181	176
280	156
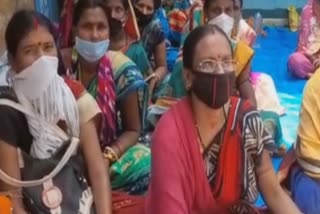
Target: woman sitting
303	163
122	22
224	18
153	40
118	86
213	157
306	59
242	31
37	87
264	89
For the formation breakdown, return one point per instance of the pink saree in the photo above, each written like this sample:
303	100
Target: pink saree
299	64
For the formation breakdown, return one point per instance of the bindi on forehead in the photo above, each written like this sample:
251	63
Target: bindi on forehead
36	37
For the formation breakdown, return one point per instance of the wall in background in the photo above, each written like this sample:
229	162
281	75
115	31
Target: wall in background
273	4
271	8
7	8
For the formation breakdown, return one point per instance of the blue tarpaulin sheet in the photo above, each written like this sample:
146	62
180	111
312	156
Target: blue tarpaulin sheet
271	57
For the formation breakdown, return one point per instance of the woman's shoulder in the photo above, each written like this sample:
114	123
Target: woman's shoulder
121	64
313	83
154	29
244	111
119	59
137	46
168	120
13	125
166	131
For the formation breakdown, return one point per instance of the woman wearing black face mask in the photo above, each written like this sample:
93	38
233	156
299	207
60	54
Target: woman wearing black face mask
124	37
153	40
209	150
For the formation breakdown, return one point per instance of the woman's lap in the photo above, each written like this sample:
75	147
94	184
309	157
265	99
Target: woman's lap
305	191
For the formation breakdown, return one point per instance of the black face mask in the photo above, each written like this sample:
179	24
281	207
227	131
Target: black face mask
142	19
214	90
115	27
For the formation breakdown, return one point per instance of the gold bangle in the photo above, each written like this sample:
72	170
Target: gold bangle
110	154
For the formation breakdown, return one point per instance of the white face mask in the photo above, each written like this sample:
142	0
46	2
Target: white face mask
36	78
223	21
40	89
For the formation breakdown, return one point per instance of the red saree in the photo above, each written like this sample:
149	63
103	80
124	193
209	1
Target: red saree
125	204
179	183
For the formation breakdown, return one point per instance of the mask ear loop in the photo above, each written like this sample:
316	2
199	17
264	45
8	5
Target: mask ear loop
224	112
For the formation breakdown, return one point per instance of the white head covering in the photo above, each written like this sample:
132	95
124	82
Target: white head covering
41	90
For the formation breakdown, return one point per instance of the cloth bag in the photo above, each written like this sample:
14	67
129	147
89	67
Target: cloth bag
131	173
62	187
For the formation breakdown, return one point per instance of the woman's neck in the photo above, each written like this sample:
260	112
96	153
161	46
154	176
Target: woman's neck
88	71
205	116
208	121
88	67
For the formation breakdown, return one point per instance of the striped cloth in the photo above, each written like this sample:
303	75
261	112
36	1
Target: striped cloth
255	139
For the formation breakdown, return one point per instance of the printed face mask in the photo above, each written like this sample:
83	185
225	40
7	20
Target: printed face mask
92	51
214	90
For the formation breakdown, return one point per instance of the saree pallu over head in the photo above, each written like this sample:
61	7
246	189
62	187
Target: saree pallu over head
308	146
188	189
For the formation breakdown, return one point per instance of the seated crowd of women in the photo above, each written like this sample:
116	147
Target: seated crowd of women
210	152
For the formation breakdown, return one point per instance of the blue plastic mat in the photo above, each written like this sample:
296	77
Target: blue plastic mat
271	56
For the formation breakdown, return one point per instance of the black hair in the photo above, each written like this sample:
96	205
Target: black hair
207	3
156	4
83	5
191	42
21	24
241	3
125	4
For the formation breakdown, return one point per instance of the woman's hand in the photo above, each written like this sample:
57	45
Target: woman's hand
314	59
131	121
153	80
19	210
98	173
8	154
277	199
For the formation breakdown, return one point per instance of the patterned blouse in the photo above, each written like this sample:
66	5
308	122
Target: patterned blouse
255	139
152	36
